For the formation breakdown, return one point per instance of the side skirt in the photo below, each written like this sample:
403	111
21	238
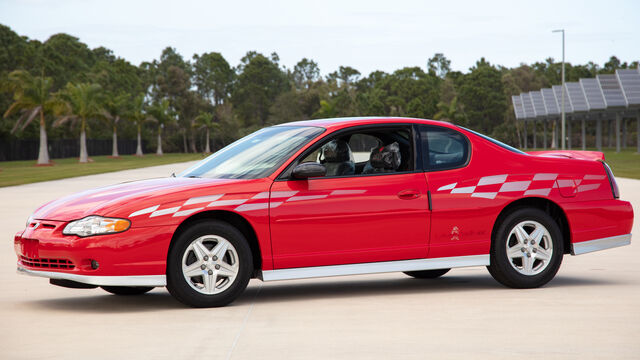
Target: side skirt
376	267
584	247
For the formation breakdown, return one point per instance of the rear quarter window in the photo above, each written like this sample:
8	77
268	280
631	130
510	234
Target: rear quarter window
443	148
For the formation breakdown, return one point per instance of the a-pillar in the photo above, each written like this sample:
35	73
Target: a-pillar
535	131
569	132
544	133
525	134
599	133
584	134
618	121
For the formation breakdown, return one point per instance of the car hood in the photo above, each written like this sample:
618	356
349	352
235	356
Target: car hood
106	201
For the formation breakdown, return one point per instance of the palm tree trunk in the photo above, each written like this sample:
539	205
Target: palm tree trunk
159	152
207	148
84	156
114	151
139	147
184	141
193	142
43	152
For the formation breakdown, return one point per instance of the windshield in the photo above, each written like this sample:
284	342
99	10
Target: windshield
499	143
254	156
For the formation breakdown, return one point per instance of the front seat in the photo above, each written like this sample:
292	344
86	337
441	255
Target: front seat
336	156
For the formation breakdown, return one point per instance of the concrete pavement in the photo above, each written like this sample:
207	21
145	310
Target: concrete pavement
591	309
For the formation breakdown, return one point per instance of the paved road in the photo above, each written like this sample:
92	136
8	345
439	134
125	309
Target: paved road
591	309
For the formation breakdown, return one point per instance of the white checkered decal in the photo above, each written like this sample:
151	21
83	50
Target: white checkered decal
540	184
259	201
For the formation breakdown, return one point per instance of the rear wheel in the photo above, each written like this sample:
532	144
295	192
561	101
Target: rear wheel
209	265
427	274
527	249
127	290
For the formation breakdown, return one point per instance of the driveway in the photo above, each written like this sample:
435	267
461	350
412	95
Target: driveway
590	310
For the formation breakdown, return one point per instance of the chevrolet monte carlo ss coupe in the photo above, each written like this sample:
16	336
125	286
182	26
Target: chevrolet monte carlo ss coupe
332	197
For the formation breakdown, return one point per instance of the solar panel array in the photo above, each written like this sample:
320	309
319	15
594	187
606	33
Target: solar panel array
576	96
557	90
527	105
604	92
593	93
611	90
630	82
538	103
517	106
550	102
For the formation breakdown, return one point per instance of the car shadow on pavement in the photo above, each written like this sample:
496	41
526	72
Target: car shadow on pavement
107	303
299	290
326	289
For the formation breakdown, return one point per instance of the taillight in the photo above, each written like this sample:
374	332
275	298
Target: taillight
612	181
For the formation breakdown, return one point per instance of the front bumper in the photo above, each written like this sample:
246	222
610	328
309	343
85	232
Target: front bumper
136	257
139	280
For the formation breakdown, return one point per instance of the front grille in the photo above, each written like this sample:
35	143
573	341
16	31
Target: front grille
47	263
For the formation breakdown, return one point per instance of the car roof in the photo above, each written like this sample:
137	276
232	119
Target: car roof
337	123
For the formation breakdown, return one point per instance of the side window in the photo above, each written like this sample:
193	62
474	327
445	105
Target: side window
366	152
361	145
443	148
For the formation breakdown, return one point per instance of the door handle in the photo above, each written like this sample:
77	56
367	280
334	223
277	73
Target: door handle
409	194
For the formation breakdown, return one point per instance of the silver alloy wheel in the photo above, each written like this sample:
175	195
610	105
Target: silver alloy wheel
210	264
529	247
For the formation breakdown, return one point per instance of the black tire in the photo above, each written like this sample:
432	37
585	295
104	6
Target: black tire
178	285
501	267
127	290
427	274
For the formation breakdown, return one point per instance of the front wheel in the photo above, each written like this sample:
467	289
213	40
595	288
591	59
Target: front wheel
527	249
209	265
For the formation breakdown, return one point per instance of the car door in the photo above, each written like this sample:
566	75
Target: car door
353	218
457	216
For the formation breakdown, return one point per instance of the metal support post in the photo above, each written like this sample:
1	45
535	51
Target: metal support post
584	134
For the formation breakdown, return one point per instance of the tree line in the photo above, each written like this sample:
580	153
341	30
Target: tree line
63	89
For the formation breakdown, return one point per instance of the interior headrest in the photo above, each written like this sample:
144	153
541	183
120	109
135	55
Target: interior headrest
386	157
335	151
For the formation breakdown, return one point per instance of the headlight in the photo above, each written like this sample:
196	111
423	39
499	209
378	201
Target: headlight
96	225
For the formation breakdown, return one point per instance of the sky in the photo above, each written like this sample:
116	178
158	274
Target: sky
368	35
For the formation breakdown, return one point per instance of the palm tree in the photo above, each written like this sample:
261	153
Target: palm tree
32	97
205	121
161	114
85	102
138	116
115	109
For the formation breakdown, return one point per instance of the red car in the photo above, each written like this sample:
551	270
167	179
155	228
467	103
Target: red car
332	197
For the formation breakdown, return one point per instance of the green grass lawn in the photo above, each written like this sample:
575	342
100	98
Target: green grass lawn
624	164
25	172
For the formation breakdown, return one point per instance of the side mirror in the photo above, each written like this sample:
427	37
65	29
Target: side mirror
309	170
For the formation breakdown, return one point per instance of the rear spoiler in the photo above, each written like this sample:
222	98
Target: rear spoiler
570	154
